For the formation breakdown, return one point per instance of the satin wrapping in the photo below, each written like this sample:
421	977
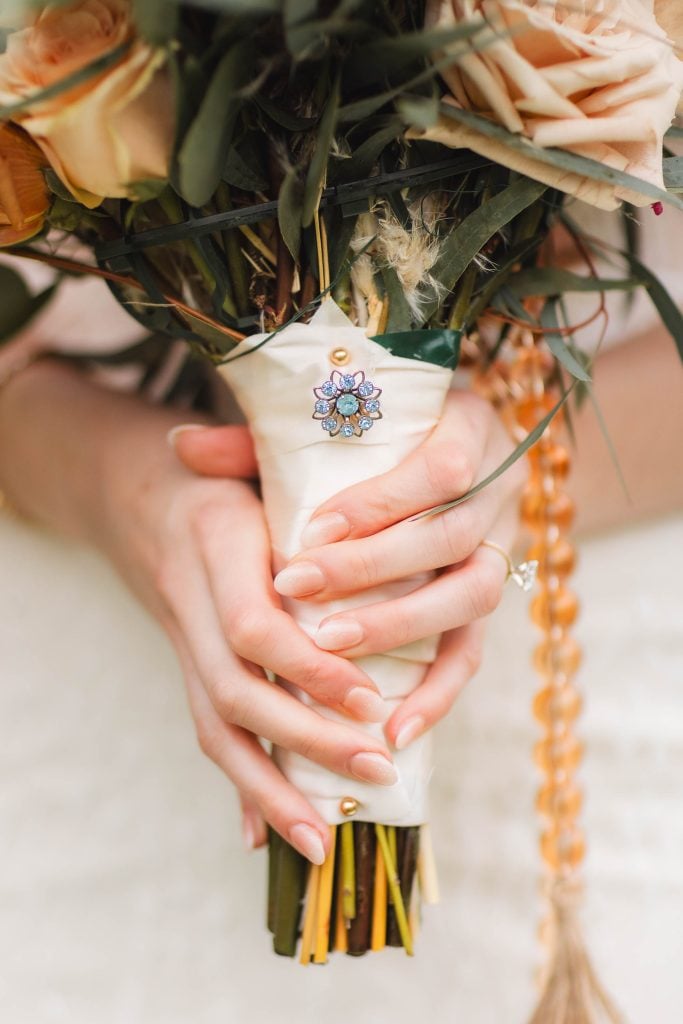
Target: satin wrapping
301	467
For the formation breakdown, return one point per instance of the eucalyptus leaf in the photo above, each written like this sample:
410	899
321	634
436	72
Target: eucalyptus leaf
400	317
362	160
156	20
318	165
671	316
462	245
292	122
673	173
204	150
553	281
18	305
520	450
561	158
244	173
290	211
556	343
440	346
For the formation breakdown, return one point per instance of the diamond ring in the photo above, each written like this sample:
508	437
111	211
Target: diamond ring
523	574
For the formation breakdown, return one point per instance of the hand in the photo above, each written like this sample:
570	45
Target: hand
363	537
196	551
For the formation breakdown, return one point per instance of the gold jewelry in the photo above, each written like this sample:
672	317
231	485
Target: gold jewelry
523	574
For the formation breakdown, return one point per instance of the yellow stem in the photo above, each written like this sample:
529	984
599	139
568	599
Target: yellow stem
395	889
324	904
378	937
309	915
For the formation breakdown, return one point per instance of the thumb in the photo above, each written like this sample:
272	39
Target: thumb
214	451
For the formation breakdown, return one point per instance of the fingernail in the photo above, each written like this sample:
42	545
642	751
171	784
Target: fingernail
339	633
410	730
173	433
373	768
308	842
248	834
325	529
299	579
365	703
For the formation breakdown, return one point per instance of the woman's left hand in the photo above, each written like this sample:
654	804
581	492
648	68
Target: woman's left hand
365	536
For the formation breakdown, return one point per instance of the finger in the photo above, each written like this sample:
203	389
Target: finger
242	698
403	550
260	631
458	659
214	451
264	792
441	468
254	831
399	552
453	599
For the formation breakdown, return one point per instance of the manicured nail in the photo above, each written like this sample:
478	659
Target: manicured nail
325	529
308	842
373	768
410	730
365	703
299	580
338	634
248	834
173	433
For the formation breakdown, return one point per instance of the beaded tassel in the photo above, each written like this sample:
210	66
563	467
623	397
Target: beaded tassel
571	993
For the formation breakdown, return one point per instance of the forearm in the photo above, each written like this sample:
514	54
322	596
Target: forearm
64	446
639	389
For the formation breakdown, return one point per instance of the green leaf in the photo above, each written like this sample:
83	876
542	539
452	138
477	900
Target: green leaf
361	162
441	346
400	318
552	281
18	305
290	211
292	122
520	450
318	165
671	316
148	188
204	150
461	246
673	173
557	344
156	20
243	169
559	157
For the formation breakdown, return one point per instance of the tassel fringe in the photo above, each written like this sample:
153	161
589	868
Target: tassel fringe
572	993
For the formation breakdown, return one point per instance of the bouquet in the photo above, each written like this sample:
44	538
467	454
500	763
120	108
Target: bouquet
336	202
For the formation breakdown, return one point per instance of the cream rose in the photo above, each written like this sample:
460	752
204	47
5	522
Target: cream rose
112	130
601	79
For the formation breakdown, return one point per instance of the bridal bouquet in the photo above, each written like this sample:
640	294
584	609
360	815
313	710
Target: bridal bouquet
328	199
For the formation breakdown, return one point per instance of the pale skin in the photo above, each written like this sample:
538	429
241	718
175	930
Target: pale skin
191	542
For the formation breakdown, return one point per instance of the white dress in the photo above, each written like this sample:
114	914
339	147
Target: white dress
126	897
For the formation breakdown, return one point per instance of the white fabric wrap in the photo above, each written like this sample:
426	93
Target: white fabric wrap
301	467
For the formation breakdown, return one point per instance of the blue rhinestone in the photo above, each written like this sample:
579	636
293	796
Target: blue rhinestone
329	424
329	389
372	405
366	388
347	405
348	382
346	430
322	406
365	422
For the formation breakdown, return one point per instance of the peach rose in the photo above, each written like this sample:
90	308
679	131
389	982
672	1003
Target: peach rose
24	197
110	131
599	79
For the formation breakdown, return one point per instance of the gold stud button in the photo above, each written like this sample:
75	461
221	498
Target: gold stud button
340	356
348	806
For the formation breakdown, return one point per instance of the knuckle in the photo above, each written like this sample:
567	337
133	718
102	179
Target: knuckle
246	629
208	740
472	657
226	702
309	675
363	569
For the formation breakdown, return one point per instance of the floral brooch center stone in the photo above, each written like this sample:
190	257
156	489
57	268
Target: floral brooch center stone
347	404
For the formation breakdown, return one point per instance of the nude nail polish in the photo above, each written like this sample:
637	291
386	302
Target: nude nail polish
338	634
299	580
410	730
325	529
365	703
371	767
308	842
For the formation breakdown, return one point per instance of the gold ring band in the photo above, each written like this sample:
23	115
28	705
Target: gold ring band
524	574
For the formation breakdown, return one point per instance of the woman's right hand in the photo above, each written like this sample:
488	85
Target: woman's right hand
197	552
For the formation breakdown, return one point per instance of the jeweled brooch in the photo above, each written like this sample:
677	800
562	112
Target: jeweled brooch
347	404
